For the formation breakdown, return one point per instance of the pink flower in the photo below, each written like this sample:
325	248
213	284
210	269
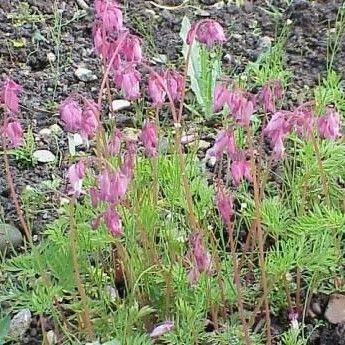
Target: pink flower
90	118
161	329
13	132
112	186
149	138
225	205
131	50
75	175
113	222
225	142
242	107
111	16
9	93
71	115
302	120
208	32
269	94
128	80
240	169
156	90
329	125
277	130
114	144
220	97
94	195
174	82
201	256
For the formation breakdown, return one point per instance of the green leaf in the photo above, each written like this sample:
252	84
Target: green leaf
4	328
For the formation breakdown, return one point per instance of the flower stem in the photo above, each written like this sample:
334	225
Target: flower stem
74	252
238	284
14	195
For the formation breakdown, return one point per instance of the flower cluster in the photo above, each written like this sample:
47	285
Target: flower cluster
111	188
301	120
11	129
76	119
117	47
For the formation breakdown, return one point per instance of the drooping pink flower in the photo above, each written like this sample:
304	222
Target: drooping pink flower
9	93
329	125
269	94
277	130
149	138
240	170
225	142
90	119
174	82
108	12
114	144
94	196
161	329
242	107
128	80
156	90
13	132
225	204
71	115
302	120
208	32
220	97
131	49
76	174
112	186
193	276
113	222
201	256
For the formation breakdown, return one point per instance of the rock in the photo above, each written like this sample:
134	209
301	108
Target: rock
316	308
265	43
131	133
84	74
78	140
43	156
335	311
203	145
208	2
20	323
189	138
202	13
56	129
119	104
51	337
211	161
111	292
45	132
51	57
10	237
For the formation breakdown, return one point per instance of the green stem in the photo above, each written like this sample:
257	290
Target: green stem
74	252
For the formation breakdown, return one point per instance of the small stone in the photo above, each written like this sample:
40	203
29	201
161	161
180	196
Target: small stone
211	161
43	156
10	237
202	13
316	308
78	140
335	311
56	129
85	74
218	5
20	323
51	337
51	57
131	133
265	43
120	104
203	145
45	132
187	139
111	292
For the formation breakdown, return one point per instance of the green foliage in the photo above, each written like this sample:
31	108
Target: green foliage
204	69
4	328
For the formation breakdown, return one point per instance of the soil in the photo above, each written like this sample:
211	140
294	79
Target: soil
27	41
